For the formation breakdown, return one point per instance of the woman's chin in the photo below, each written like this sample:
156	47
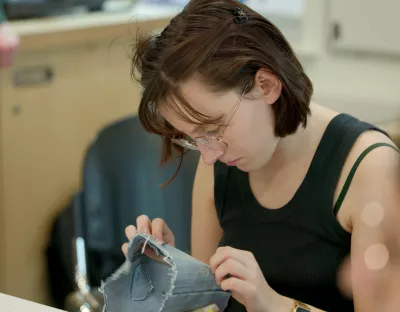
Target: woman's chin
249	166
242	166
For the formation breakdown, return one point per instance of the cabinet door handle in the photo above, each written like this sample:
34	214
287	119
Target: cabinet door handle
336	31
33	76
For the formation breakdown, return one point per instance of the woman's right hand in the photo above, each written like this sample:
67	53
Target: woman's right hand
156	228
159	229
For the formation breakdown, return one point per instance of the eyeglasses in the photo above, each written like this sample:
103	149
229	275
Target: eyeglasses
212	142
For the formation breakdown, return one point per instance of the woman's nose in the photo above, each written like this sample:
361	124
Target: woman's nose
209	155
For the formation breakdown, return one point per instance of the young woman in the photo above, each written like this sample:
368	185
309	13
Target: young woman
285	188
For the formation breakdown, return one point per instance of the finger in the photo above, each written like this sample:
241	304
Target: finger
162	232
224	253
143	224
238	286
233	268
150	252
210	308
125	249
130	231
158	228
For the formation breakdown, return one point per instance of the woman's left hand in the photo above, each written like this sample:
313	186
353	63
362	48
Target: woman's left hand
238	271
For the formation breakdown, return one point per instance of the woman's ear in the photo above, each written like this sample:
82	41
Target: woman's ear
269	84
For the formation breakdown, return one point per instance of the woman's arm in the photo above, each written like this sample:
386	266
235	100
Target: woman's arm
373	273
206	231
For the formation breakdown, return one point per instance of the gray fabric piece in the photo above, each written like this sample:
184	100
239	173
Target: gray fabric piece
142	284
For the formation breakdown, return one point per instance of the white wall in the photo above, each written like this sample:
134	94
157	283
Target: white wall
285	7
368	84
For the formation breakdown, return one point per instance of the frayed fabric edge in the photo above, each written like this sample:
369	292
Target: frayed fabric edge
101	290
173	273
126	267
145	244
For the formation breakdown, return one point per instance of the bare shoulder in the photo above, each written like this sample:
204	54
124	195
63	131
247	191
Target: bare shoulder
379	159
377	170
377	155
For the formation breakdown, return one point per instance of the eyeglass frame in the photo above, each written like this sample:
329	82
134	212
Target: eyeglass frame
193	145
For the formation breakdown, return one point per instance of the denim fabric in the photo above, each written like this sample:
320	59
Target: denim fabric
180	284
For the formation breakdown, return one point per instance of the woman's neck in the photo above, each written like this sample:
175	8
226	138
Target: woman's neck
302	143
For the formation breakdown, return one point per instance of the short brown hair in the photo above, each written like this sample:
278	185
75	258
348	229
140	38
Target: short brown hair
205	40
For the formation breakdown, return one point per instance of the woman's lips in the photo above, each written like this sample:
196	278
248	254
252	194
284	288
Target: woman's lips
233	162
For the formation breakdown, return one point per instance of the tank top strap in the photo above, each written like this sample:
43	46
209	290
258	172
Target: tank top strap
353	170
332	152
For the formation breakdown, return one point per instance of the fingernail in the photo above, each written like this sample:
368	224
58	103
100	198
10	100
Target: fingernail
212	308
208	309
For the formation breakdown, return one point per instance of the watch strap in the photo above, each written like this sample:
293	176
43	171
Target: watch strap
301	307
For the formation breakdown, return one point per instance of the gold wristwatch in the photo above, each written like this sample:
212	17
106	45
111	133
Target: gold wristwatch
300	307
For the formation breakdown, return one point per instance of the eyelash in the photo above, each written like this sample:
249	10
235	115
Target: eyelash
213	132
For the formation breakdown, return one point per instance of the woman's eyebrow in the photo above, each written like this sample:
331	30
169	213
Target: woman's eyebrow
202	125
197	128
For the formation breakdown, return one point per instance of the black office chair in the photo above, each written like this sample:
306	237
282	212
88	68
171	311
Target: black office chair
121	180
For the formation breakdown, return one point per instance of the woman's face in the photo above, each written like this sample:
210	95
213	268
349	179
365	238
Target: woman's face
250	134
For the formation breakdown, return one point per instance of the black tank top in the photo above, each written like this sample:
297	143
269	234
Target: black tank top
300	246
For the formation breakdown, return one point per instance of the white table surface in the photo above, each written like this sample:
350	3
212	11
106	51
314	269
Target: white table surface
13	304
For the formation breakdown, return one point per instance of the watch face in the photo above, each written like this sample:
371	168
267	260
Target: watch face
300	309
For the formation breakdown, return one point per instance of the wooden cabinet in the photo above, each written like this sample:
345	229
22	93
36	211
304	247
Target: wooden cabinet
52	103
367	26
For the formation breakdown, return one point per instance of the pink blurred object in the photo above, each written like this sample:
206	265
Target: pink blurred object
9	42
